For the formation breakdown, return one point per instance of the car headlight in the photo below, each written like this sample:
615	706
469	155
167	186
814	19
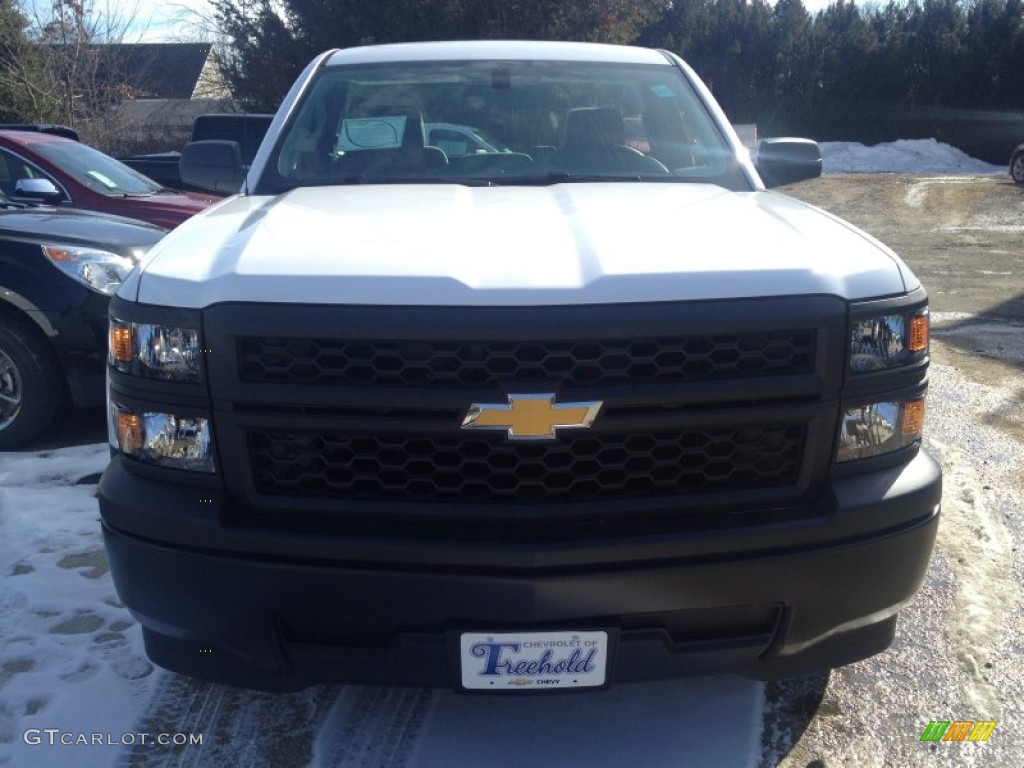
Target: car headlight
164	439
889	340
876	428
155	351
99	270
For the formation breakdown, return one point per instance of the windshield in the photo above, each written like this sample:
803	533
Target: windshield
99	172
499	122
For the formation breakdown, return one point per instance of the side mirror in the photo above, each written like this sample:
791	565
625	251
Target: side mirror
785	161
213	164
38	190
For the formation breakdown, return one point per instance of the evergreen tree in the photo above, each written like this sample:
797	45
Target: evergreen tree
993	54
271	41
793	84
264	57
850	71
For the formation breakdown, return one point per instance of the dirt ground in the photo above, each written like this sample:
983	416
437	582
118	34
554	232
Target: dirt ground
957	655
964	238
962	235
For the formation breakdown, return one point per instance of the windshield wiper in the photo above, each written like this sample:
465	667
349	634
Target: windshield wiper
352	181
523	180
565	177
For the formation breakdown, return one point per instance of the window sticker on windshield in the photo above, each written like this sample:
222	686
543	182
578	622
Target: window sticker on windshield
662	91
104	180
371	133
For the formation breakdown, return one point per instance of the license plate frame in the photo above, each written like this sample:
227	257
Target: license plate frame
541	660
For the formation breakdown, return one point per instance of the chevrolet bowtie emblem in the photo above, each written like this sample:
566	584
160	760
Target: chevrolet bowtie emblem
531	417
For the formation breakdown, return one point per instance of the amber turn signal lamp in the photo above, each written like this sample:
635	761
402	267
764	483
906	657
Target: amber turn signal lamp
913	418
129	431
121	346
918	333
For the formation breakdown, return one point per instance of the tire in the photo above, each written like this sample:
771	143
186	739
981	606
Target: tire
1017	166
30	383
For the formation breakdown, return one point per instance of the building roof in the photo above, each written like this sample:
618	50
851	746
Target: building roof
160	70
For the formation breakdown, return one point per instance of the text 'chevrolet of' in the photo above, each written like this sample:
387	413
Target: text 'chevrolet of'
506	372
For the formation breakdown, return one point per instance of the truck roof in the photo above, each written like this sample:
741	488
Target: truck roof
512	50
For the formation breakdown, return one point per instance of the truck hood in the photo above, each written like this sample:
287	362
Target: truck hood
583	243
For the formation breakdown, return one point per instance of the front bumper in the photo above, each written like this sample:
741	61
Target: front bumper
778	603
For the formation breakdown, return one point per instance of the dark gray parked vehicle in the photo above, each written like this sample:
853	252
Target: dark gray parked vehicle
58	269
1017	164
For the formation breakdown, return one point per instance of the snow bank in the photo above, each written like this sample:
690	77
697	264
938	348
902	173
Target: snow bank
903	156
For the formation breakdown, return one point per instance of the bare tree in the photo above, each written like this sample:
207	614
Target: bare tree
26	91
73	43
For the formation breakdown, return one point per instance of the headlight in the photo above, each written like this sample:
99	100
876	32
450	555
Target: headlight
155	351
100	270
888	341
877	428
164	439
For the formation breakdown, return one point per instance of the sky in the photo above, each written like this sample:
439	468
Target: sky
149	21
161	21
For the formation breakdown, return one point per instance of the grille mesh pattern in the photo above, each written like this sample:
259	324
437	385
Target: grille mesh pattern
577	467
588	363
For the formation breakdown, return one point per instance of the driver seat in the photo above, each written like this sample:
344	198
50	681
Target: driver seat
595	143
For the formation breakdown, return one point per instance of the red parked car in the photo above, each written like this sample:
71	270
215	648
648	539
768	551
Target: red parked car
42	167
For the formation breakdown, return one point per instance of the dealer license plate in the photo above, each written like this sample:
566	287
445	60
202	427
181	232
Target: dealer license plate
533	660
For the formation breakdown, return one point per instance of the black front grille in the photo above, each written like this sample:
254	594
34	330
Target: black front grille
576	467
481	364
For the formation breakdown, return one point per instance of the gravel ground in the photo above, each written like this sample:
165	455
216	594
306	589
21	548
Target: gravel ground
959	645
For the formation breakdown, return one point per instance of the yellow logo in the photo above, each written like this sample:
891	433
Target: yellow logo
531	417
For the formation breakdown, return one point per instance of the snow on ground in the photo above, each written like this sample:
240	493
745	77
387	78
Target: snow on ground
77	690
708	721
903	156
71	656
73	668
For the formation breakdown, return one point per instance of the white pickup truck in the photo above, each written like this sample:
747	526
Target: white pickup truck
576	404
